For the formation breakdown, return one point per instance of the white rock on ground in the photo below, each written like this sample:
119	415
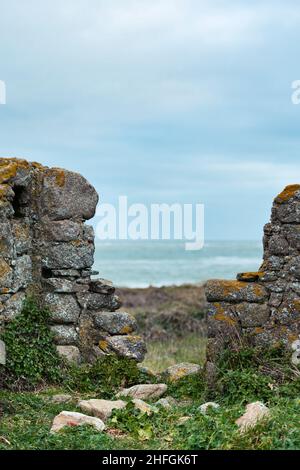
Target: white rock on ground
71	418
168	402
296	352
144	407
2	353
179	371
183	420
144	391
59	399
255	412
101	408
210	404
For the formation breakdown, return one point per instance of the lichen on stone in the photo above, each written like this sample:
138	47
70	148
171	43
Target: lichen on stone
287	193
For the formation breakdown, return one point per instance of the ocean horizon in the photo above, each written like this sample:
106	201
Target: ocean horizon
164	263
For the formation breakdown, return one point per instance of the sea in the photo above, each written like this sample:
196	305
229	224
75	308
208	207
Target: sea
164	263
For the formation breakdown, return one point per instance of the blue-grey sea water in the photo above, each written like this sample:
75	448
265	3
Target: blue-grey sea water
158	263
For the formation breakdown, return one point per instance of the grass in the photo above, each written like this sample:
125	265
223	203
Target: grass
27	418
162	354
243	376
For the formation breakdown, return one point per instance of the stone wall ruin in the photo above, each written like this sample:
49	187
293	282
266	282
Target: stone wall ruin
261	308
46	249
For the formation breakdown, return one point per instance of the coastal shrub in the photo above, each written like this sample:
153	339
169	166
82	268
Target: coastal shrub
105	376
248	374
31	355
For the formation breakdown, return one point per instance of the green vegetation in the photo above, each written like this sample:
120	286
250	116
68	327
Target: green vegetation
31	354
104	377
27	411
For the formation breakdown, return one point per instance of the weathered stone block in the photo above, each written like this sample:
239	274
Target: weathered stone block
68	256
102	286
7	247
64	335
278	246
63	307
251	315
93	301
115	323
132	347
70	353
61	230
22	272
67	195
234	291
13	305
64	286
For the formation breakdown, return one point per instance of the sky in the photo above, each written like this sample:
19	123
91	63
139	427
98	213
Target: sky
164	101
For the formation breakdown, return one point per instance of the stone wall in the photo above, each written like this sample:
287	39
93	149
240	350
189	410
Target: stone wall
261	308
47	250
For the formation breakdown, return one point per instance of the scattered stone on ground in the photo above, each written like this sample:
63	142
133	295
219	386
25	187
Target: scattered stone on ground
183	420
210	404
101	408
71	419
144	407
255	412
144	391
178	371
168	402
296	352
2	353
61	398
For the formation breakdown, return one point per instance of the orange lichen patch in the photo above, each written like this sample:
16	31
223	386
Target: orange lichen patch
4	190
258	290
76	242
126	330
221	316
258	330
103	345
224	318
20	162
37	165
4	268
9	168
57	173
60	178
287	193
296	305
231	287
250	276
4	290
292	337
7	172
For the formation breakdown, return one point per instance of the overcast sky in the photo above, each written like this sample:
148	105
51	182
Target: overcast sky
160	100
